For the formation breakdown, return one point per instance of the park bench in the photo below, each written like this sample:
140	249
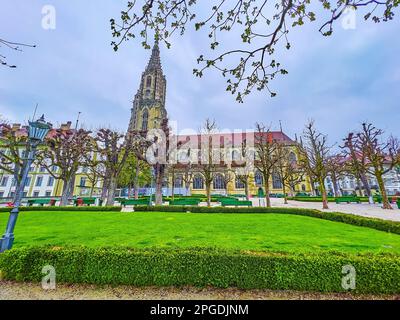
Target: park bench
235	203
41	202
84	201
347	199
398	203
135	202
185	202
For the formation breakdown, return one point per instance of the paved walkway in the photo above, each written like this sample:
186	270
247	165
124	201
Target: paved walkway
362	209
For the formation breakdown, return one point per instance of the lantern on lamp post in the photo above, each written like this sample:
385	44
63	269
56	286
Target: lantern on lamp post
37	131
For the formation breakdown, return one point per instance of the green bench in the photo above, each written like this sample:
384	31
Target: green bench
347	199
41	202
135	202
398	203
236	203
185	202
85	201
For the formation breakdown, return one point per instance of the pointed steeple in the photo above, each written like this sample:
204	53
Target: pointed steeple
155	61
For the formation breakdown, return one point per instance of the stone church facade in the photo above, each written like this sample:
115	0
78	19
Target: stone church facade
149	109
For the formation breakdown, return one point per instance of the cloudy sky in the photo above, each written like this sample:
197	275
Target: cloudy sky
340	81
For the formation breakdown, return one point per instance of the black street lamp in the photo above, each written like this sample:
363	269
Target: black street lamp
37	131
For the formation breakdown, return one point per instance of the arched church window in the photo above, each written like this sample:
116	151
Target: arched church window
178	183
258	178
276	181
145	119
198	182
219	182
292	158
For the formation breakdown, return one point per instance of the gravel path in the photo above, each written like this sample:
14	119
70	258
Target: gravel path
33	291
362	209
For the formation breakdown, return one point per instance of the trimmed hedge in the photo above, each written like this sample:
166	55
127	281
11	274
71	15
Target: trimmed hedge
55	208
203	267
374	223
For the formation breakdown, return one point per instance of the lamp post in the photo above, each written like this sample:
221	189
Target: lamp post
37	131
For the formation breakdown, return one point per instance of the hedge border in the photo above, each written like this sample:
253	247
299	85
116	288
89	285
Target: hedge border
201	267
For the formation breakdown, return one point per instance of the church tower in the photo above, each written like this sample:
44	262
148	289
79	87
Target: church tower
148	108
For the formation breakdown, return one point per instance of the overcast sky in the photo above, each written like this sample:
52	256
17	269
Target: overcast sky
340	81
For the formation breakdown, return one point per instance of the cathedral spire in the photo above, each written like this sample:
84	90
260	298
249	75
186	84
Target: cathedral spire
155	61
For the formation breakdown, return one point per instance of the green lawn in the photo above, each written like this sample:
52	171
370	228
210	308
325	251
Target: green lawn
277	232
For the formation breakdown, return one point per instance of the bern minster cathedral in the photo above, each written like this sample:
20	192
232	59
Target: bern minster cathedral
149	110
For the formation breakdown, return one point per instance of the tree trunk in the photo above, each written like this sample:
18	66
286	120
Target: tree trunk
208	192
385	200
284	193
267	198
359	187
65	193
246	190
104	190
136	181
365	183
335	187
158	196
173	185
323	193
111	191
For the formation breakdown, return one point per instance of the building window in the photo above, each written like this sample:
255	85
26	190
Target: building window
1	194
39	181
258	178
147	94
303	187
276	181
42	169
48	193
54	169
31	168
219	182
82	182
12	194
4	181
14	182
145	119
239	184
50	182
178	183
36	194
198	182
24	194
292	158
28	181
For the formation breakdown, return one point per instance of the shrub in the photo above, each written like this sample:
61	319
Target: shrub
204	267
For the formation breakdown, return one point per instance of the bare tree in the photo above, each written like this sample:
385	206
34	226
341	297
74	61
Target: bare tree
12	140
285	167
64	151
380	155
336	170
263	29
210	156
266	159
113	149
314	157
356	162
